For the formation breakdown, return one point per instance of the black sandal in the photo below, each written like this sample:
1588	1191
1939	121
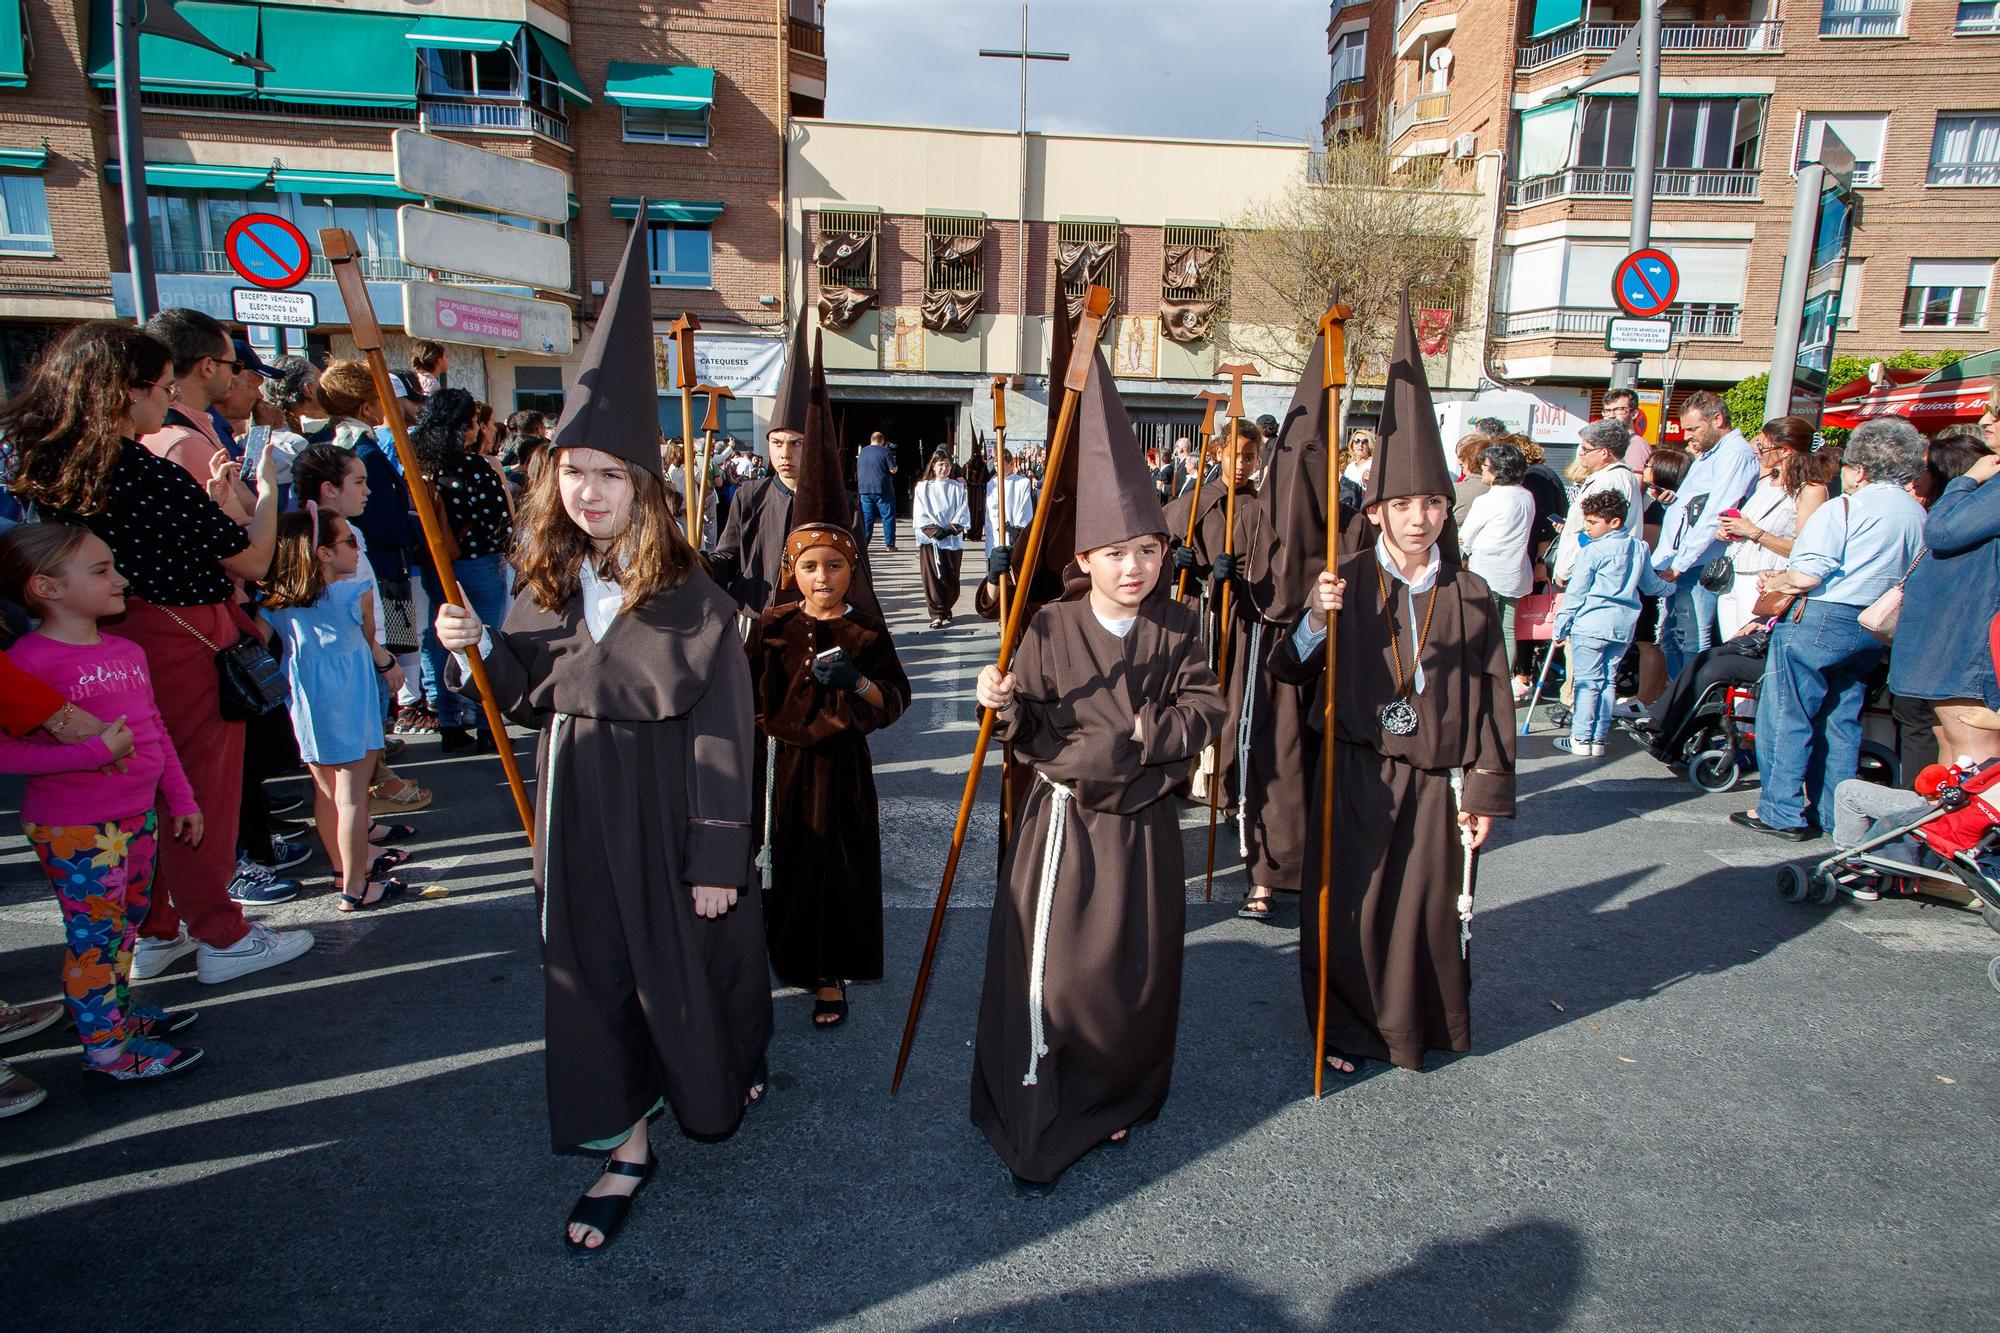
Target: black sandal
760	1084
391	833
1249	910
606	1213
384	862
392	889
836	1008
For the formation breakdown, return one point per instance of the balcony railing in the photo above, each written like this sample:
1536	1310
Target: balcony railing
382	268
1675	39
808	38
1690	321
492	118
1346	98
1616	183
1423	109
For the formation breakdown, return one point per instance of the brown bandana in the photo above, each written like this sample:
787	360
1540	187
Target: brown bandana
819	534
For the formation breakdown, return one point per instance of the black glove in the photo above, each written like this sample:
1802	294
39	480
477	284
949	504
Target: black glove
999	564
933	531
837	673
1224	570
1183	558
954	531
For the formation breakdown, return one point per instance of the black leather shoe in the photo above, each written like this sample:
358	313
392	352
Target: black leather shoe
1745	819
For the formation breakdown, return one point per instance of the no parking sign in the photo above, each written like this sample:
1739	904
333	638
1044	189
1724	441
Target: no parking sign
267	250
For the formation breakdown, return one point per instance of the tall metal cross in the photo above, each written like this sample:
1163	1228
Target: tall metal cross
1024	55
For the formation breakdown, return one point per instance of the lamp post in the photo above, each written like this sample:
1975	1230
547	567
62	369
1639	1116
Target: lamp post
158	18
1024	55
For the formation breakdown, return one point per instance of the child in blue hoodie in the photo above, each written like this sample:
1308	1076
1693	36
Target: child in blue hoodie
1599	616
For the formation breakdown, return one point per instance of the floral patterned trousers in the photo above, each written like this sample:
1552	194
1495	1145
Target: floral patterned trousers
103	877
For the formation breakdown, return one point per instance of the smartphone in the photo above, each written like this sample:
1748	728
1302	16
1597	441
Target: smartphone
254	444
829	657
1731	512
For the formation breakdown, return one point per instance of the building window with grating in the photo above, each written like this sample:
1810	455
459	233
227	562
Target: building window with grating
1086	256
1190	279
844	255
954	270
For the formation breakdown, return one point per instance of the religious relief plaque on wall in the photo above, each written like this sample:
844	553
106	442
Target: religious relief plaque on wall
903	338
1135	347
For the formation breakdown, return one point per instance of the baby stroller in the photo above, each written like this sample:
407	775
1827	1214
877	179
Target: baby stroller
1953	839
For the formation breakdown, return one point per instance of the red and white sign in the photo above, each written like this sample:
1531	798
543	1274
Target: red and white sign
1928	407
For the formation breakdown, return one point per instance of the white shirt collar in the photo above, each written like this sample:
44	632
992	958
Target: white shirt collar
1426	577
602	599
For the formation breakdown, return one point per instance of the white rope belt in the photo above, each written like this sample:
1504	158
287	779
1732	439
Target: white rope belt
1061	798
549	817
1243	738
770	786
1465	881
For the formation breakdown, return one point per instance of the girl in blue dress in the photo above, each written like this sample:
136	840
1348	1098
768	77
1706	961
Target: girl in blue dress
332	658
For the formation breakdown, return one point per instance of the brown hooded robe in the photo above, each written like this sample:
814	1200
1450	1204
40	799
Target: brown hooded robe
1111	977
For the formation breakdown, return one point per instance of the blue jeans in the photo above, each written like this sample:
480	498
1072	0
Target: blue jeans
1687	621
483	581
875	507
1809	711
1593	670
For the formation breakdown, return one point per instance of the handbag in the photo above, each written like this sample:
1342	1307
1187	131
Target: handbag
251	681
1718	574
1881	615
400	631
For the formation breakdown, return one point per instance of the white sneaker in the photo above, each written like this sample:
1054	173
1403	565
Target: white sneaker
1628	709
261	948
152	957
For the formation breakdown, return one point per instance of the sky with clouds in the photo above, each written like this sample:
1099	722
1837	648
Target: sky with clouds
1182	68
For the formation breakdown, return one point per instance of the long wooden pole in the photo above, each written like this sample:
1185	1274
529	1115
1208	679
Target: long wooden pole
1333	329
337	244
710	424
1222	630
1208	397
1001	541
695	474
1095	307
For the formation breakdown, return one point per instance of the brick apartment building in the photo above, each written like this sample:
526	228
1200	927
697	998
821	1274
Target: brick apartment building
908	242
1913	86
682	101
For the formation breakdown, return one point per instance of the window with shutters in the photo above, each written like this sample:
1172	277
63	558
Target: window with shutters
1947	294
1087	254
847	247
1198	278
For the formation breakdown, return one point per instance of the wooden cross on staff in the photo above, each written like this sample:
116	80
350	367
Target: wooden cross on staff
1333	335
1236	374
1211	399
337	244
682	332
710	424
1000	537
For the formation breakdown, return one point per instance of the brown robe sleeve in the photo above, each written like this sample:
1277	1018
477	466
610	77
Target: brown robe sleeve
518	663
1174	733
1489	757
721	736
1039	721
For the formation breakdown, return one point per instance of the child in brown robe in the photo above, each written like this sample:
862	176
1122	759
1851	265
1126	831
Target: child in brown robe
1111	699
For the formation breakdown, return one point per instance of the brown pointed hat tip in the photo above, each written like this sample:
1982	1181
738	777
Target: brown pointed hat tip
614	407
1409	449
788	412
1115	497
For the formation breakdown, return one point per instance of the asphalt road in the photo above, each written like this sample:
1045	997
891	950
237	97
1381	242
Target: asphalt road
1689	1105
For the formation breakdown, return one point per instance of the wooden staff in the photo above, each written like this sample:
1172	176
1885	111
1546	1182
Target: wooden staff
1095	306
682	332
1333	332
337	244
1215	784
1000	540
1209	398
710	424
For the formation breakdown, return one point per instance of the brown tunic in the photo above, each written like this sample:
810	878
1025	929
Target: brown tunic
1396	985
1111	981
749	556
643	790
823	912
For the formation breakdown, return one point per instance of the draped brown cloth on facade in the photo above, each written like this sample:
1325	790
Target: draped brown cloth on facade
843	249
955	249
1186	321
950	312
839	307
1188	266
1083	264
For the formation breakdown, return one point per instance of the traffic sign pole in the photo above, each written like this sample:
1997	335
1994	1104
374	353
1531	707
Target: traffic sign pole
1625	366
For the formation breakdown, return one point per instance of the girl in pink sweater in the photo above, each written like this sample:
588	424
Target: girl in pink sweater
89	808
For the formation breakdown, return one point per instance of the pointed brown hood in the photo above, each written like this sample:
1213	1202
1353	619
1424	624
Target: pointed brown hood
1294	491
788	412
615	404
1115	496
820	508
1409	453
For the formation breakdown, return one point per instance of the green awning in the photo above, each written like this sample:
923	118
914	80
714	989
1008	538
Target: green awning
339	183
556	56
462	34
24	159
667	210
13	52
337	57
1554	15
190	176
318	184
684	87
166	65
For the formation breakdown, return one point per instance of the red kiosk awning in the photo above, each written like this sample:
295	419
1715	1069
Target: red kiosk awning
1930	400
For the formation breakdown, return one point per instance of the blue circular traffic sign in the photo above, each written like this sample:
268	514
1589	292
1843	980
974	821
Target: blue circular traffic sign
266	249
1644	283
